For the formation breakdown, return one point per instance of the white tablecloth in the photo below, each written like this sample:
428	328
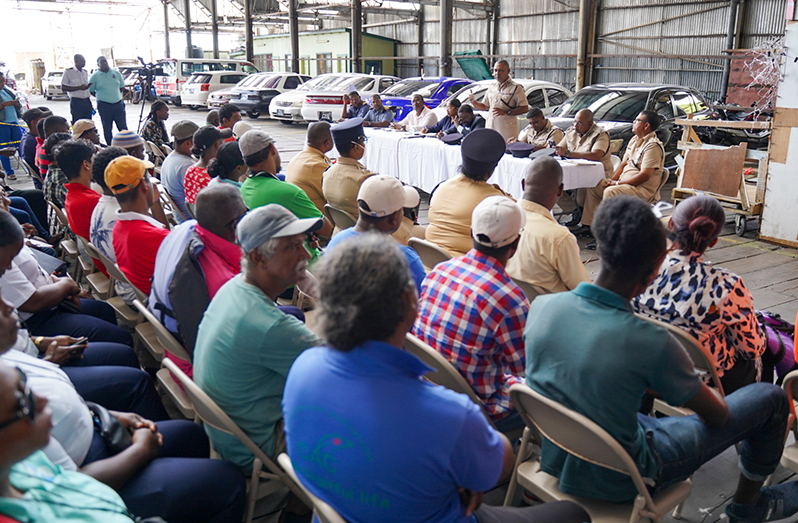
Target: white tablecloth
424	162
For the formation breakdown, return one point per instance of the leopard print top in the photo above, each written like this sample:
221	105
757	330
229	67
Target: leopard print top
710	303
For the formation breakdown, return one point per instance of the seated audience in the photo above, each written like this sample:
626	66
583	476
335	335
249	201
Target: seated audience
262	186
207	141
22	211
342	180
229	116
548	255
212	118
27	148
54	183
710	303
228	166
131	142
406	450
136	234
354	106
378	115
49	305
240	129
154	129
410	227
467	121
50	125
174	167
245	344
540	132
453	201
603	369
306	169
86	130
447	122
473	313
381	202
419	118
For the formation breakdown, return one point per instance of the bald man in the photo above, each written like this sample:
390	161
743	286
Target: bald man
505	100
547	255
305	170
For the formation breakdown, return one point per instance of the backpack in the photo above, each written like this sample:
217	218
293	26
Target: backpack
780	351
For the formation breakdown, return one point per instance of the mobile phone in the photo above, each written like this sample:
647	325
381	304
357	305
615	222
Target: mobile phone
80	344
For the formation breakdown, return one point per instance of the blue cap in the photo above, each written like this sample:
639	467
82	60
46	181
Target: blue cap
349	130
520	149
481	150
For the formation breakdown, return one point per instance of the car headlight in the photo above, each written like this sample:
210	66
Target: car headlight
298	103
615	146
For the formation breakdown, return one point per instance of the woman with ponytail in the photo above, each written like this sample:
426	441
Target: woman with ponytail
154	129
710	303
207	140
228	166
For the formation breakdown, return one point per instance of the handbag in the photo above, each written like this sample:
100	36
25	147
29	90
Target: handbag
116	437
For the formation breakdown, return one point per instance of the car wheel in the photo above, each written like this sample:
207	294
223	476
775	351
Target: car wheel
49	97
177	102
193	107
253	114
286	122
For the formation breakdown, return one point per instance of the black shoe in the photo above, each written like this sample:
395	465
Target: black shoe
592	245
583	232
576	216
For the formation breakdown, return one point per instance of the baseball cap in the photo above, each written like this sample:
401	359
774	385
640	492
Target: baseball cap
240	128
497	221
271	221
184	129
125	173
35	114
382	195
80	127
253	142
127	140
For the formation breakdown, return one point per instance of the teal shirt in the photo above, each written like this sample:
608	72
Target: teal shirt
106	86
244	349
602	370
53	494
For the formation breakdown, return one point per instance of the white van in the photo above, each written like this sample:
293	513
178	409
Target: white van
177	71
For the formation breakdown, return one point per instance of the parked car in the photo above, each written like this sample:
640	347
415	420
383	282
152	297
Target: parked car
172	73
327	104
254	93
196	90
218	98
434	89
51	85
544	95
287	107
615	107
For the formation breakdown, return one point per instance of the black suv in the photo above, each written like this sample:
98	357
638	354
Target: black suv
615	107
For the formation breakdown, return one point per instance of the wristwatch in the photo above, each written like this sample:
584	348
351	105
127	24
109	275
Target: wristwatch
567	153
509	111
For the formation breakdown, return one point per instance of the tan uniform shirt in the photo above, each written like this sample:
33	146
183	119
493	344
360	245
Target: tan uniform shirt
305	170
645	153
595	139
450	212
341	182
547	255
550	132
504	97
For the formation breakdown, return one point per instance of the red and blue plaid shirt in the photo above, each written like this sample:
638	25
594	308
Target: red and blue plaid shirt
474	314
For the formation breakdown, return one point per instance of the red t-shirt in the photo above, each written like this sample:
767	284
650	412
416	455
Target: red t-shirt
79	204
196	179
41	159
136	239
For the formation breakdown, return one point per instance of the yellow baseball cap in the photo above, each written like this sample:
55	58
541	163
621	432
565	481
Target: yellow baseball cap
125	173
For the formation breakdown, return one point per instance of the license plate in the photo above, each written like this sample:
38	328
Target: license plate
280	112
325	115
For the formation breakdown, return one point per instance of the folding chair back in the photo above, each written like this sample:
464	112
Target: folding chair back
59	215
324	512
157	154
166	149
430	254
169	203
789	458
339	217
166	338
530	291
31	170
116	273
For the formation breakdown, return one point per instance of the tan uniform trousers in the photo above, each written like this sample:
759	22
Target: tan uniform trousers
603	191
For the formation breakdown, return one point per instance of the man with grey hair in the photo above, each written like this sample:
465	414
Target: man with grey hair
547	255
305	170
245	344
360	401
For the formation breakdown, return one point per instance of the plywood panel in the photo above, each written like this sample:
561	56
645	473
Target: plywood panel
717	171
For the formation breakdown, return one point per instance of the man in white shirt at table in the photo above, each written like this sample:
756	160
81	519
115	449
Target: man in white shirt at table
420	117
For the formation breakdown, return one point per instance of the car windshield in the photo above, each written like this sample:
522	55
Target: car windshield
351	83
614	106
251	80
407	87
199	79
319	83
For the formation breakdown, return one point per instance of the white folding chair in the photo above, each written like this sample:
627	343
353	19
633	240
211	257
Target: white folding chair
98	282
789	458
581	437
69	249
324	512
430	253
156	152
267	478
339	217
123	311
530	291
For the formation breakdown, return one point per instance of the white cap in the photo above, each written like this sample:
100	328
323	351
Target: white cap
253	142
382	195
497	221
240	128
412	198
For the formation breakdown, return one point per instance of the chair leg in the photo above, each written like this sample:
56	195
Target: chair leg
509	498
677	512
252	495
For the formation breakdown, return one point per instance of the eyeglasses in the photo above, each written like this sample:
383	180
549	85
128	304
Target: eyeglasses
26	404
232	224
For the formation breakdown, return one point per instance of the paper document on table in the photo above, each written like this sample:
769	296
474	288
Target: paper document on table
579	161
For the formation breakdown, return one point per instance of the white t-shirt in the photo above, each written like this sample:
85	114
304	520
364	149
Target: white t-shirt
22	279
101	233
417	122
74	78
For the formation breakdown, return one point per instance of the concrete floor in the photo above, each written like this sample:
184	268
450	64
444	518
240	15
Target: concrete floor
769	271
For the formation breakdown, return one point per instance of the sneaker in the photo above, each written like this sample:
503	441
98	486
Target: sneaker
592	245
11	176
775	504
582	232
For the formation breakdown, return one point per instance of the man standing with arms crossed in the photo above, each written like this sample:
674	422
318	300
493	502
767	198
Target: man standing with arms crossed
505	100
75	83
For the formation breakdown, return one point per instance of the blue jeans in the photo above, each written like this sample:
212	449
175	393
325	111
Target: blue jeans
80	108
96	321
20	209
757	418
111	114
35	200
9	132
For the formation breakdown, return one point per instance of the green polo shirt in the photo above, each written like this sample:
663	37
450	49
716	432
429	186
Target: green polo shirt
106	86
245	346
264	189
602	370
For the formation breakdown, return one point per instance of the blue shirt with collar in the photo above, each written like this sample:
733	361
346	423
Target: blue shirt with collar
443	125
375	116
376	442
602	370
358	112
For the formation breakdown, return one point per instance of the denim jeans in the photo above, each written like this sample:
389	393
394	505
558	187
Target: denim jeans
20	210
757	418
111	114
10	132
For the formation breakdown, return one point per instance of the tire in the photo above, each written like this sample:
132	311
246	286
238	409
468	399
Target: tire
177	102
193	107
49	97
253	114
740	221
286	122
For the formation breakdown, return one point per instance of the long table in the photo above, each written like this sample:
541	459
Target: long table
425	161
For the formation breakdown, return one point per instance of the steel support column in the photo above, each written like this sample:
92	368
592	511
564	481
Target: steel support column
447	16
357	35
730	44
495	14
249	46
293	35
581	44
187	4
420	39
166	29
214	29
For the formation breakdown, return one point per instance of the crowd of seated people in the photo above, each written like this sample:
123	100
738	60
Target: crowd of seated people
341	396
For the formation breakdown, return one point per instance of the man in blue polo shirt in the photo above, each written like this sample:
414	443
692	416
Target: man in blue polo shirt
365	433
603	369
107	84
